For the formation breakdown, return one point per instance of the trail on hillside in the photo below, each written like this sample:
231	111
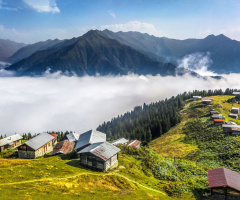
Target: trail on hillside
81	174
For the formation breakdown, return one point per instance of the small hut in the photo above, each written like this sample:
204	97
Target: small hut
228	128
37	146
214	112
100	156
120	141
134	143
235	110
224	183
195	98
218	121
10	142
234	116
218	116
55	138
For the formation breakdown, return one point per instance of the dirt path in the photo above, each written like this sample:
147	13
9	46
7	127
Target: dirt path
81	174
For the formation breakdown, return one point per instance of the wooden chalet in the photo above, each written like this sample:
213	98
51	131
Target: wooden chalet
100	156
230	128
214	112
235	110
234	116
207	101
55	138
218	121
236	93
37	146
63	147
218	116
120	141
195	98
224	184
134	143
88	138
10	142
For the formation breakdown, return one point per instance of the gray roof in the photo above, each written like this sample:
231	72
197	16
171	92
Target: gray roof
103	150
230	126
10	139
120	141
72	137
236	93
90	137
39	141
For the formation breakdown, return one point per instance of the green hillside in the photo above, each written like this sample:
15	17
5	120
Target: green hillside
173	167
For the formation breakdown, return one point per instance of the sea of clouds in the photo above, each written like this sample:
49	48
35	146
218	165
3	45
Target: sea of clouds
56	102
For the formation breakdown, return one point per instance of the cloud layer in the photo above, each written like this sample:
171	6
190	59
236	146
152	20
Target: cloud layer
62	103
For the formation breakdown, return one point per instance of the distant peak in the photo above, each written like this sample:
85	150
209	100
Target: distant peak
221	36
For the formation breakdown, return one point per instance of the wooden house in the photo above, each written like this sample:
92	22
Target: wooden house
63	147
88	138
218	121
10	142
195	98
37	146
234	116
134	143
100	156
214	112
55	138
235	110
120	141
206	101
218	116
224	184
236	93
228	128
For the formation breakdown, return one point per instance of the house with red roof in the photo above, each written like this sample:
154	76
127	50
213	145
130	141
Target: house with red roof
224	183
55	138
134	143
218	121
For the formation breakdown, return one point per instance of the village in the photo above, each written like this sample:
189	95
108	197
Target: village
96	153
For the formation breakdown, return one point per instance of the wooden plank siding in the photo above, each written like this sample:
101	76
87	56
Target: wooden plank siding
25	151
14	145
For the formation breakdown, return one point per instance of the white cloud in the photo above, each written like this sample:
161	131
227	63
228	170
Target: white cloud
43	5
134	26
197	62
78	104
112	14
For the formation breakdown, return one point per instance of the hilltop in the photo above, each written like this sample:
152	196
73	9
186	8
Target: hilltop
174	166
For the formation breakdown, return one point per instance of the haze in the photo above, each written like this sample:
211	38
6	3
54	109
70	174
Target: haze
59	103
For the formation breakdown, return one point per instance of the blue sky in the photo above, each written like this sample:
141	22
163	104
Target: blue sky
34	20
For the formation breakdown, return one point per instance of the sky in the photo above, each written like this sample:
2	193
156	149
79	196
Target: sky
31	21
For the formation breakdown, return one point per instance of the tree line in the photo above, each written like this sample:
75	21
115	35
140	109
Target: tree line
147	122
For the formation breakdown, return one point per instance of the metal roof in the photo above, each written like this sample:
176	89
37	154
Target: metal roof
10	139
63	147
54	135
39	141
237	93
230	123
133	143
90	137
235	108
120	141
224	177
103	150
73	137
230	126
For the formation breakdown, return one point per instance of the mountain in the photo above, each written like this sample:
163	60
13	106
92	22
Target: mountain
8	48
31	49
91	54
224	52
